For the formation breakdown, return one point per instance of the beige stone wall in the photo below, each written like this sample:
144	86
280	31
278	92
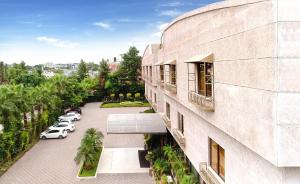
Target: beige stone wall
256	46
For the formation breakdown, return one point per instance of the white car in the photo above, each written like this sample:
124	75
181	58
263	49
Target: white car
70	116
54	134
65	126
67	121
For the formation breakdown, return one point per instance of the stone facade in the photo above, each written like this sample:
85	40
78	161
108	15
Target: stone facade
255	48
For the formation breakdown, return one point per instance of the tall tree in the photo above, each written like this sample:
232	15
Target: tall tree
82	70
131	65
103	73
2	72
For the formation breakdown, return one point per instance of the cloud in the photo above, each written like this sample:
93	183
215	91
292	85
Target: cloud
103	25
170	13
57	42
160	26
172	4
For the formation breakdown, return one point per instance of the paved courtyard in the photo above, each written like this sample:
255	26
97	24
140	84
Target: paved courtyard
51	161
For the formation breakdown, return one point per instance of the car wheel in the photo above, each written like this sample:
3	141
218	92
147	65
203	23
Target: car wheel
75	119
60	137
43	137
68	131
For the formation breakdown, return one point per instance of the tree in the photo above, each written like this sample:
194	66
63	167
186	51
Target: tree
131	65
2	72
103	75
82	71
90	147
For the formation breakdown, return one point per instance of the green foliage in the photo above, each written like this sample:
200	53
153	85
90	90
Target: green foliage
88	152
131	65
129	96
124	104
121	97
29	104
82	70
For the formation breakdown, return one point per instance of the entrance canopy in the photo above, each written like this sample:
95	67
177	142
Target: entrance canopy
143	123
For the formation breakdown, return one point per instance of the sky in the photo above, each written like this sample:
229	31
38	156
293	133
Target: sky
65	31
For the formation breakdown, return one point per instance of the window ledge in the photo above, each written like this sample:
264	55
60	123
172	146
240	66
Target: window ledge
179	137
167	121
205	103
208	175
170	87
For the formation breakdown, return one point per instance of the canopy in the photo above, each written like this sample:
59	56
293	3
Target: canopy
201	58
159	63
170	62
135	124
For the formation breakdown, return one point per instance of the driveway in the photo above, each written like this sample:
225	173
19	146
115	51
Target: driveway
51	161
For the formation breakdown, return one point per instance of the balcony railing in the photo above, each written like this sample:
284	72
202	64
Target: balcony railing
160	83
206	175
204	102
179	137
167	121
171	87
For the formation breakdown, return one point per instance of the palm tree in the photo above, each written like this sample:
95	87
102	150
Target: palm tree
90	147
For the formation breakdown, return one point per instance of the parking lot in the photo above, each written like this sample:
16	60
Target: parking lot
52	161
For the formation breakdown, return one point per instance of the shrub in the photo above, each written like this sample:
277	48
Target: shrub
137	96
121	96
129	96
112	97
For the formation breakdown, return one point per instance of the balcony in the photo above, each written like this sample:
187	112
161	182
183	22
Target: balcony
207	176
179	137
161	83
171	87
204	102
167	121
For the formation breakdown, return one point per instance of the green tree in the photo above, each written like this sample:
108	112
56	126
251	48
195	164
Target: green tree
130	67
82	70
89	149
2	72
103	75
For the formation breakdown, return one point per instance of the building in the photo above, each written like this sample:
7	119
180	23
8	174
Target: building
225	79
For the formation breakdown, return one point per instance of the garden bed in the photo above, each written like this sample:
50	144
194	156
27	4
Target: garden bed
92	172
125	104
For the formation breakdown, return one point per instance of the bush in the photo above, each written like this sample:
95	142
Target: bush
112	97
129	96
137	96
121	96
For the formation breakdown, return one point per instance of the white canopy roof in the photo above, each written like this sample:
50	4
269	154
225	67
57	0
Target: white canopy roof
170	62
201	58
142	123
159	63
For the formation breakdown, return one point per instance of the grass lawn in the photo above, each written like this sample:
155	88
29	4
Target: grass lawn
91	172
125	104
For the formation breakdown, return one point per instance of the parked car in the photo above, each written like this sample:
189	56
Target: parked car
66	126
76	109
67	121
54	133
73	116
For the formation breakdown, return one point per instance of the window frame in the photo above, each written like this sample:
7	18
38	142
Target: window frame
180	120
168	110
218	172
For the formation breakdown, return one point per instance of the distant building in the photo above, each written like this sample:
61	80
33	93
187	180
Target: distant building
48	73
113	66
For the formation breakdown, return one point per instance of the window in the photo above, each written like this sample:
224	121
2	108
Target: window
217	159
204	78
168	110
172	69
161	73
180	123
155	101
53	131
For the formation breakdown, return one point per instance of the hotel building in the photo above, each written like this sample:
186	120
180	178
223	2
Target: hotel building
226	80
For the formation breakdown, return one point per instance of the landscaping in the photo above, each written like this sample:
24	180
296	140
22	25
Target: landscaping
124	104
168	161
89	152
